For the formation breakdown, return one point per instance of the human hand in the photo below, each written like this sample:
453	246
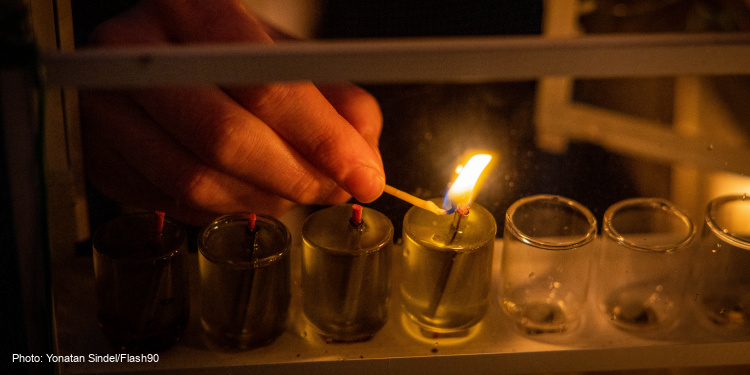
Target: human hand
202	151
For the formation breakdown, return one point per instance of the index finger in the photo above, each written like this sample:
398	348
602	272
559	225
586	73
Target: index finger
299	113
229	138
302	116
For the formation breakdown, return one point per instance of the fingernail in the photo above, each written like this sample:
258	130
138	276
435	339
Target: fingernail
365	184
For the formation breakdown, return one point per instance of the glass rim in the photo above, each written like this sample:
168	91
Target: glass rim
383	243
243	216
581	240
96	238
723	233
460	248
654	203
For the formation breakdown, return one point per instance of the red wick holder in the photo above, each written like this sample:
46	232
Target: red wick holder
251	222
159	225
356	218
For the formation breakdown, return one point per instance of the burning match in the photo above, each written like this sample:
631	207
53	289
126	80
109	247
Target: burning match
421	203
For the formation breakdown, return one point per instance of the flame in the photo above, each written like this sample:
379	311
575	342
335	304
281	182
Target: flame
462	190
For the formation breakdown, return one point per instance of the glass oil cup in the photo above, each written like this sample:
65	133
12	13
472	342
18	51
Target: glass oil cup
548	244
447	270
723	275
141	282
245	294
346	270
642	266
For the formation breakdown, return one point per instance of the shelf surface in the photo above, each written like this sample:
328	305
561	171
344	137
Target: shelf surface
494	346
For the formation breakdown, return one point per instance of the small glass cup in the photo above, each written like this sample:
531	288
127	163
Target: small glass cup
346	270
547	250
244	281
724	267
447	269
141	282
642	266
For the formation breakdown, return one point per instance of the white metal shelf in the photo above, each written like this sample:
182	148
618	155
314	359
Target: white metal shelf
469	59
495	348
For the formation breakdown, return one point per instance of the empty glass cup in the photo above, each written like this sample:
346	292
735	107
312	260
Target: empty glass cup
547	248
642	266
724	265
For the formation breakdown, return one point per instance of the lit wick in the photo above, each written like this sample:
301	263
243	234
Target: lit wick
421	203
454	254
445	271
461	211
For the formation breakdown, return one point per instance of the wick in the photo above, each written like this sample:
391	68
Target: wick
251	222
447	265
250	234
356	218
245	289
461	211
159	225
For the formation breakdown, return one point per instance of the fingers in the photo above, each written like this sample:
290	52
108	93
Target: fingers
226	137
114	178
126	151
194	21
134	26
182	21
285	138
303	117
358	107
299	113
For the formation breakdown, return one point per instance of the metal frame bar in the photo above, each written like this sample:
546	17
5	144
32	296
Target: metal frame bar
470	59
